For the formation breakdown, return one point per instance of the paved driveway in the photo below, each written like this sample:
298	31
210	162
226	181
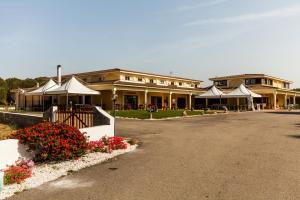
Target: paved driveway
235	156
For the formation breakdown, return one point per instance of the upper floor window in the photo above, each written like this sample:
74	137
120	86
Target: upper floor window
180	83
221	83
286	85
151	81
253	81
127	78
162	82
268	82
192	85
172	83
140	79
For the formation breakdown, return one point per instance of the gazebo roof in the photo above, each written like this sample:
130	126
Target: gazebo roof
213	92
73	87
49	86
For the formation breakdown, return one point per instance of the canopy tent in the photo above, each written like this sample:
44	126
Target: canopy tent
50	85
72	87
213	92
243	92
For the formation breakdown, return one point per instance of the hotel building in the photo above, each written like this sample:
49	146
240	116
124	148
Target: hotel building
276	92
140	90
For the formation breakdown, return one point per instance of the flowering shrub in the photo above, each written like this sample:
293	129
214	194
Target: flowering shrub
114	143
96	146
107	144
18	172
53	141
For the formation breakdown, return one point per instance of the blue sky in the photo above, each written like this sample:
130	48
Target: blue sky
195	39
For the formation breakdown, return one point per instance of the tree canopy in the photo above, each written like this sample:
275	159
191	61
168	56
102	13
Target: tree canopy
6	85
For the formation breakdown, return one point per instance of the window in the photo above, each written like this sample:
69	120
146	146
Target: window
286	85
127	78
252	81
196	86
162	82
172	83
140	79
221	83
192	85
268	82
151	81
180	83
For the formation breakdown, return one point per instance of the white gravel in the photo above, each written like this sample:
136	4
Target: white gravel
49	172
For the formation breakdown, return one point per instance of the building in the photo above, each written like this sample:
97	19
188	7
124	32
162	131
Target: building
276	92
140	90
135	90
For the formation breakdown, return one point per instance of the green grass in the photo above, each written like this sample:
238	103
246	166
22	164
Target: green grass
142	114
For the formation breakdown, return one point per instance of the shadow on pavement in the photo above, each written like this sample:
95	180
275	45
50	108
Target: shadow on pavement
294	136
285	113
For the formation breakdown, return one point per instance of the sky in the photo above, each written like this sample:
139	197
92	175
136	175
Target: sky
194	39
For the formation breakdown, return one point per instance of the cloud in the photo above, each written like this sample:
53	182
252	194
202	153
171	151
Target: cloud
279	13
201	5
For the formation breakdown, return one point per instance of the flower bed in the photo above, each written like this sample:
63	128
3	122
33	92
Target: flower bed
67	146
51	171
53	141
19	172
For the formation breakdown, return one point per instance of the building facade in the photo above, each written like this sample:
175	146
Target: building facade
276	92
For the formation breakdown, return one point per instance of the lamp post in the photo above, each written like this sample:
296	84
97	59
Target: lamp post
114	99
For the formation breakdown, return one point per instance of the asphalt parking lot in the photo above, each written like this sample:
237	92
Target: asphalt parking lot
228	156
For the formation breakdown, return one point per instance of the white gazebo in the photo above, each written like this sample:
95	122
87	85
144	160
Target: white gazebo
243	92
50	85
41	91
72	87
212	93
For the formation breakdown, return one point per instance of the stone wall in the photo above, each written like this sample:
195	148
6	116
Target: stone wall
20	120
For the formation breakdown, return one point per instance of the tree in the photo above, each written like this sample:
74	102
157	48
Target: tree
3	91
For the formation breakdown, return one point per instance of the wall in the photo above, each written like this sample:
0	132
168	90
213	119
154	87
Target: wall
21	120
11	151
97	132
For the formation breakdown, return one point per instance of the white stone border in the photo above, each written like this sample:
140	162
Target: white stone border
49	172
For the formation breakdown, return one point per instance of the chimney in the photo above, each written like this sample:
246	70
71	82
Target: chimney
59	74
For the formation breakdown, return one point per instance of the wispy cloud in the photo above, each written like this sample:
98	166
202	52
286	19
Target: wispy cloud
201	5
279	13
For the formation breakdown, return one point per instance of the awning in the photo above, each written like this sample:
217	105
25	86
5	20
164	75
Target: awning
212	93
49	86
73	87
241	92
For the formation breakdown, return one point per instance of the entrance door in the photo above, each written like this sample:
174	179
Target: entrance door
181	103
130	102
157	101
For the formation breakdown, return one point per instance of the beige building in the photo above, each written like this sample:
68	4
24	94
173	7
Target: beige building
276	92
135	90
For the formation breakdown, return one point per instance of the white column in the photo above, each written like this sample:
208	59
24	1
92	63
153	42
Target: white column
275	100
285	101
17	100
83	99
294	102
146	99
170	100
190	101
